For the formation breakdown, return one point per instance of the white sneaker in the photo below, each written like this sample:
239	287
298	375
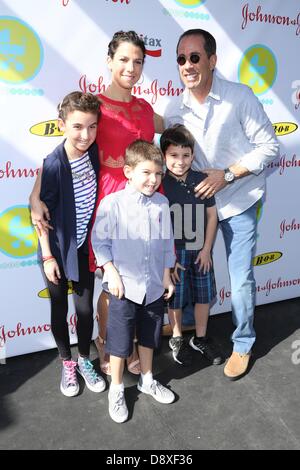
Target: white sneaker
117	408
157	391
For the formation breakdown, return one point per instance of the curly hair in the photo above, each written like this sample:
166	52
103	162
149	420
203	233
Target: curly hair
78	101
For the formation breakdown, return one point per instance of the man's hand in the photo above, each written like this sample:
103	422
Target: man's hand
211	185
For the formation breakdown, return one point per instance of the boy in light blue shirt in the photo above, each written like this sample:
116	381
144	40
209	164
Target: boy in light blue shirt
132	240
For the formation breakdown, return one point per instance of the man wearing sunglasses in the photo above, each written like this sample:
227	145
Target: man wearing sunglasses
235	141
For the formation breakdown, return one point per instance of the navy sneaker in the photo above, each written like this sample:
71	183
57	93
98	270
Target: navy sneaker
207	348
180	350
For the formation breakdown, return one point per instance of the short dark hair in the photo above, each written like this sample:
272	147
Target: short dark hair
141	151
125	36
78	101
177	135
210	45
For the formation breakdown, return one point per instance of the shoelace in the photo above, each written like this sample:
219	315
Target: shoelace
156	386
178	342
70	372
88	369
183	348
119	401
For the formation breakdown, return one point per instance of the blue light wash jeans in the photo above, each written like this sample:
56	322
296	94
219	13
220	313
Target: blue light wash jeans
239	234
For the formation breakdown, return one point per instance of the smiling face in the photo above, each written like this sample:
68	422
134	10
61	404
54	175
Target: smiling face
196	76
178	160
145	177
126	66
80	130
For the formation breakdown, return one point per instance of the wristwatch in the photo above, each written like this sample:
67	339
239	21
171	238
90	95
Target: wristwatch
229	176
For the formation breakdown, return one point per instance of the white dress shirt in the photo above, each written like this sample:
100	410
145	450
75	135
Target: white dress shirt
230	127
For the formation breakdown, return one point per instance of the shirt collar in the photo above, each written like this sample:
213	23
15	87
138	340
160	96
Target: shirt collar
214	93
136	195
215	88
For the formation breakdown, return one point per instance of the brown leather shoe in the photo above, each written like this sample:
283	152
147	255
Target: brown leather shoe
236	365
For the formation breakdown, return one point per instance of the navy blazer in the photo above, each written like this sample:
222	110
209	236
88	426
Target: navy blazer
58	194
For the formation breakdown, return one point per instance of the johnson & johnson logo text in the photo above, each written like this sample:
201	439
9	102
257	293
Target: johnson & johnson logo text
20	330
153	91
283	163
265	288
258	16
279	284
288	227
8	172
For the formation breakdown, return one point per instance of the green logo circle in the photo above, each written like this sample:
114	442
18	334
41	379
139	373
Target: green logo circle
18	237
21	51
258	68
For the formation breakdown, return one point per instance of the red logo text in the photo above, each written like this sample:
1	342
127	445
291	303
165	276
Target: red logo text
288	227
9	172
283	163
153	90
257	16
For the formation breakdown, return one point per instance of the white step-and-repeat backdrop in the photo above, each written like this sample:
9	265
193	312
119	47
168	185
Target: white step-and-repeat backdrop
51	47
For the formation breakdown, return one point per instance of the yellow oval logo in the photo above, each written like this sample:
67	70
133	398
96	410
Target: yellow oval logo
266	258
284	128
44	294
46	129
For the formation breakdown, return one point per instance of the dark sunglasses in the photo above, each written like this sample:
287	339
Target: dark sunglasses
194	59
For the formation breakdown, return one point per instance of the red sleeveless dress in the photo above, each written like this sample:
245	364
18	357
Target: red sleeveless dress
120	125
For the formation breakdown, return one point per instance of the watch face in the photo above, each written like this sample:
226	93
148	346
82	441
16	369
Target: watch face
229	176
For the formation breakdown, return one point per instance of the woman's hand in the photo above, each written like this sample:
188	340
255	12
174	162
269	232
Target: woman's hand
52	271
40	216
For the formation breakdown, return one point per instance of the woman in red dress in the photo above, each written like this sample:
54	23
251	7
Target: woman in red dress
125	118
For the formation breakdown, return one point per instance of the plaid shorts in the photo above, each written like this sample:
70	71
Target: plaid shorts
194	285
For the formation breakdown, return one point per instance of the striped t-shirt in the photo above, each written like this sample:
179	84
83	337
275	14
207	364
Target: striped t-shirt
85	187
